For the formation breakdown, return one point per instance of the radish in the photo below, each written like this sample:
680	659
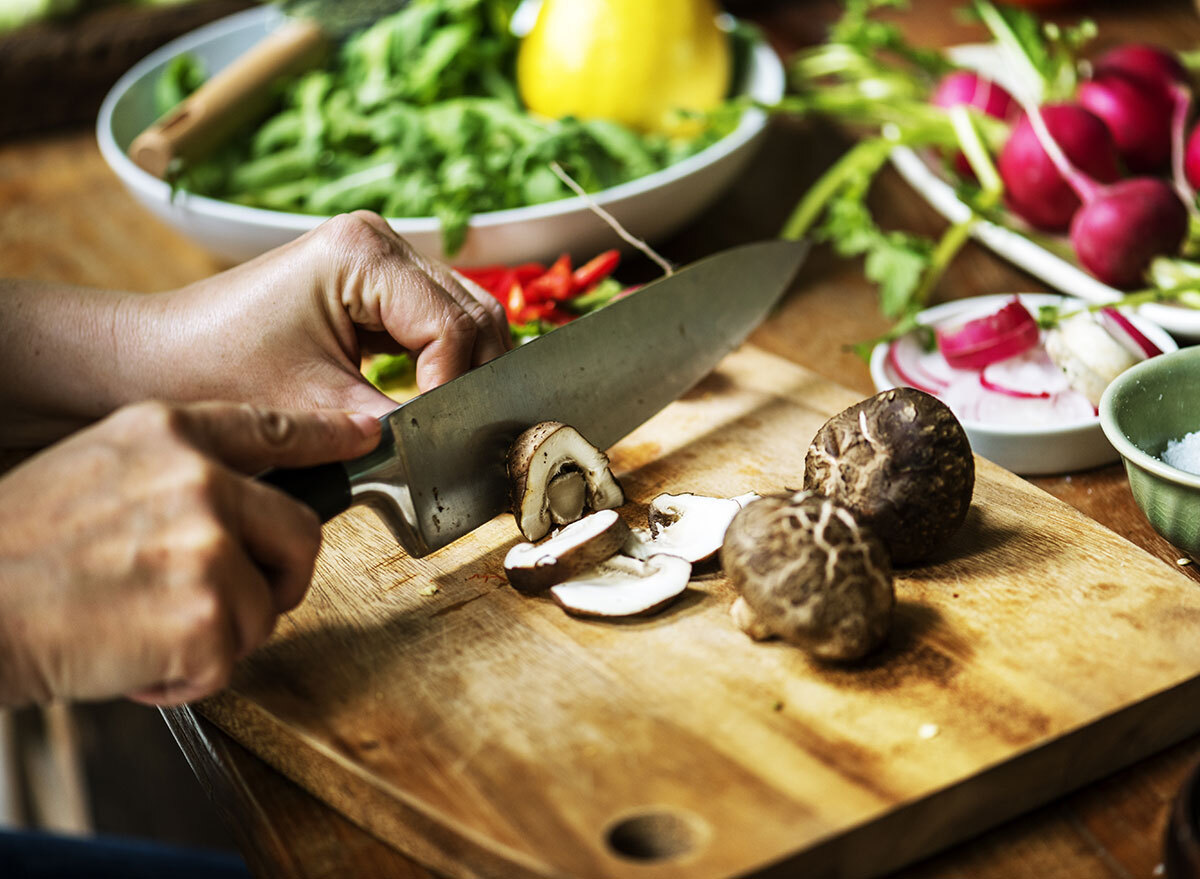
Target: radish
1035	190
1031	375
965	87
1121	226
1191	158
1122	329
1151	63
1137	112
985	340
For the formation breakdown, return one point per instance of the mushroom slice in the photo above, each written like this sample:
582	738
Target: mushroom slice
624	587
556	476
691	526
572	550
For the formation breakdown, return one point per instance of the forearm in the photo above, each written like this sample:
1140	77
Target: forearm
67	357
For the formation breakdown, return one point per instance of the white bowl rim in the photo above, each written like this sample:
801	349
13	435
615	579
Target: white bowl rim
1122	443
765	80
957	307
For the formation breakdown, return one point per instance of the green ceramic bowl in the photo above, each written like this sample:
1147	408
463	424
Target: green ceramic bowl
1143	409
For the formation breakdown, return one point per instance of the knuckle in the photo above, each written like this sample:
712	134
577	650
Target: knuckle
274	428
462	324
357	234
201	618
197	478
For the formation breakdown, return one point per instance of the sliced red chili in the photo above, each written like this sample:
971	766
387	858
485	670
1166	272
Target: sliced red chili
553	286
594	271
527	271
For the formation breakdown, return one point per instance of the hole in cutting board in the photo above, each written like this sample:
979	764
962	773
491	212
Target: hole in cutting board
656	835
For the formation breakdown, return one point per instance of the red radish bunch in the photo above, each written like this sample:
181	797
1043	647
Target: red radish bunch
1034	188
1062	165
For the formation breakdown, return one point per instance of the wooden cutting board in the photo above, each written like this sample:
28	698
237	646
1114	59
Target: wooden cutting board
486	733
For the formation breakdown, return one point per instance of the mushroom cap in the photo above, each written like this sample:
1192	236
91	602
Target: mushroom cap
540	454
690	526
811	574
622	586
570	551
902	463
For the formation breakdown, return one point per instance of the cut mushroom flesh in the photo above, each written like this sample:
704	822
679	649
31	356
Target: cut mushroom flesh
568	553
556	476
691	526
624	586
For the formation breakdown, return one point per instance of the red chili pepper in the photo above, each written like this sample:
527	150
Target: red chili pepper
594	271
527	271
487	277
553	286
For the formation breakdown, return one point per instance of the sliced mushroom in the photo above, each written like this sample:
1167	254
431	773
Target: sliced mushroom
556	476
691	526
572	550
624	587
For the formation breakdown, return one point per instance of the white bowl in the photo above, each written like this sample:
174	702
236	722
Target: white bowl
1029	451
650	207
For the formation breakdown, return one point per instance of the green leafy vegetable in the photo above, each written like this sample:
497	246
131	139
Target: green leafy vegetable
851	79
390	371
1044	56
418	115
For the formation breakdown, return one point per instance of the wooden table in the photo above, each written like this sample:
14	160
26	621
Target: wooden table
64	217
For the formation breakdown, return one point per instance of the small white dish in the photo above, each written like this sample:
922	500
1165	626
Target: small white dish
650	207
1028	451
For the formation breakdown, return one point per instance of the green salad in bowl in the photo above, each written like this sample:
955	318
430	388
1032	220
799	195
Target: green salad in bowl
418	117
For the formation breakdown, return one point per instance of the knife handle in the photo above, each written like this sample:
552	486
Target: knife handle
234	96
325	488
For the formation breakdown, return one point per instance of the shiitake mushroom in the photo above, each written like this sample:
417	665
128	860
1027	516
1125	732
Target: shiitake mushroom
809	573
902	463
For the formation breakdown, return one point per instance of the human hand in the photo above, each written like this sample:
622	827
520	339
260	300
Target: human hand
288	328
138	558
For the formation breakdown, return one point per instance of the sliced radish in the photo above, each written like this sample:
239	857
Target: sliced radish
1032	374
906	359
1122	329
984	340
971	401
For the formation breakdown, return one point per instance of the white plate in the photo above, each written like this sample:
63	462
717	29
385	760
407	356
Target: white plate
1029	451
1061	273
650	207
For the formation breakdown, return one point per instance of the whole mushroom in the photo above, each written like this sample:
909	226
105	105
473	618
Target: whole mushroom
902	463
810	574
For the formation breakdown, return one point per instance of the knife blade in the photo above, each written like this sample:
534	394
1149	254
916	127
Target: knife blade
439	470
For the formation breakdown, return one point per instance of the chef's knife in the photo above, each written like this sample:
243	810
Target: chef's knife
439	470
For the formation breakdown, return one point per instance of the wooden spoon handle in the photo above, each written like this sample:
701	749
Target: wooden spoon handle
235	95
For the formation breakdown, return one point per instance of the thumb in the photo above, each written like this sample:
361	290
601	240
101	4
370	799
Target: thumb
251	439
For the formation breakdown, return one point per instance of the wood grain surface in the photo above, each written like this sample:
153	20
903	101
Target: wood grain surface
64	216
487	733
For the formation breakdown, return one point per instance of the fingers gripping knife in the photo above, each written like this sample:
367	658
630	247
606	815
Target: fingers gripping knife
439	470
